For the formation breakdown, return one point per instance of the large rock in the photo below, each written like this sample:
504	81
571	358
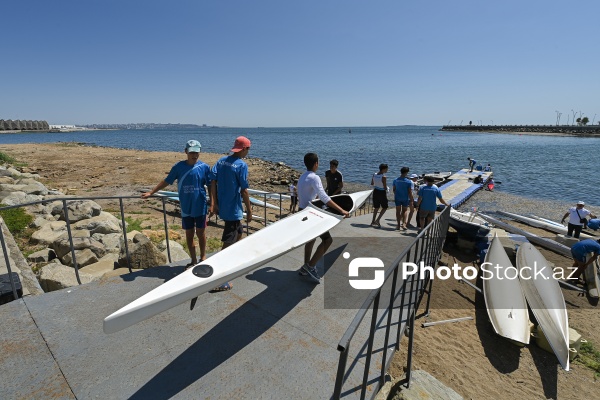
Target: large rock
12	187
15	198
104	223
105	265
84	257
39	256
35	188
78	210
111	241
177	251
62	246
142	252
56	276
49	233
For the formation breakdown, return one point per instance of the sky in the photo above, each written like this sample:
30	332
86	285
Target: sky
277	63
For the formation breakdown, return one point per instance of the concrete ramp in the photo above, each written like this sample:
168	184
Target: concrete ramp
270	337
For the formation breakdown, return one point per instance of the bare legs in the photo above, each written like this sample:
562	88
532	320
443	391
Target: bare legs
189	239
377	219
321	249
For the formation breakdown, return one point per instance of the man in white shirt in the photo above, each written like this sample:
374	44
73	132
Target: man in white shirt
309	187
577	219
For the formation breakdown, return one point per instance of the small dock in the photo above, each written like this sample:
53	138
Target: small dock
461	187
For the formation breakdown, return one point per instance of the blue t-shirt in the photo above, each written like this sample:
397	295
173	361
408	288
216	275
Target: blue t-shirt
402	186
594	224
586	246
190	183
428	195
231	174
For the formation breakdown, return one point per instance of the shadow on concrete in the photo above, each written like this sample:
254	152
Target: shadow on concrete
164	272
240	328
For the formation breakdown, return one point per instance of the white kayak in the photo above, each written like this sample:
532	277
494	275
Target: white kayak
538	223
545	299
175	196
236	260
274	196
547	220
504	299
469	223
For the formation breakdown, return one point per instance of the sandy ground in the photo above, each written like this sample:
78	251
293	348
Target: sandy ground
467	356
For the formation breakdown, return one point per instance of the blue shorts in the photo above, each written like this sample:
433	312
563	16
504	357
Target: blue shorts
577	256
193	222
402	202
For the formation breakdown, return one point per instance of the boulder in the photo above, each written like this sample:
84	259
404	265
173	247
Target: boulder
84	257
44	255
78	210
104	223
104	265
15	198
142	252
177	251
39	222
6	180
55	276
35	188
111	241
12	187
61	246
49	233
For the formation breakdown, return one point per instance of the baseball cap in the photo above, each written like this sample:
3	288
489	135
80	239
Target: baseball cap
193	146
580	203
413	176
240	144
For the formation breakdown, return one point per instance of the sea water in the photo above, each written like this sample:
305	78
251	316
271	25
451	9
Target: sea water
544	167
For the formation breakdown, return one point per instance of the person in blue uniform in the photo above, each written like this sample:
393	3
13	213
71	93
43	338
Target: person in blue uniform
427	202
580	251
229	186
191	175
403	197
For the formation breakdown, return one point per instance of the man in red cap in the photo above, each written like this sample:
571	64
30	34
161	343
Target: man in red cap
229	184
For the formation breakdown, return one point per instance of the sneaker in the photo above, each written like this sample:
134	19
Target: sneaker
312	273
301	271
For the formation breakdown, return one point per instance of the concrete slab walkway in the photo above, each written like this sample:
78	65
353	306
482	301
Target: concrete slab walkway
270	337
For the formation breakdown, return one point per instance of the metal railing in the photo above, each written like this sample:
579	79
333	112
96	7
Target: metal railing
404	301
66	200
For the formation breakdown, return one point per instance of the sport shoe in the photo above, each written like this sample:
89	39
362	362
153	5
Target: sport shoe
312	273
301	271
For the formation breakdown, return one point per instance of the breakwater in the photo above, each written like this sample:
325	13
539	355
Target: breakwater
592	130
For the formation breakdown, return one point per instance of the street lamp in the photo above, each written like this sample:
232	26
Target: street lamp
573	122
594	119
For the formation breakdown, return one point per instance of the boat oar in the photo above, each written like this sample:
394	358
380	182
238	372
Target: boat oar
470	284
569	286
446	321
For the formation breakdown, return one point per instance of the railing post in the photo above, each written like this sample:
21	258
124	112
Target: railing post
370	346
125	233
66	211
389	323
164	204
339	378
6	259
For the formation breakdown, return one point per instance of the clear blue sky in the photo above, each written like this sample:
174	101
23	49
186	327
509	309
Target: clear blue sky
299	63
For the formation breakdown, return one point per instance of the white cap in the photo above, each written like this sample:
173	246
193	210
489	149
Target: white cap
413	176
580	203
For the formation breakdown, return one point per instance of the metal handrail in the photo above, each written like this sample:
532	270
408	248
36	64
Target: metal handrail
426	246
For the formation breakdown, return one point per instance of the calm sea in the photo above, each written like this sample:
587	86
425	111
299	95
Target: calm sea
546	167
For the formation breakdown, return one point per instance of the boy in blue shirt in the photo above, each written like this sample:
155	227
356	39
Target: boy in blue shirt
229	184
191	175
403	197
579	251
427	201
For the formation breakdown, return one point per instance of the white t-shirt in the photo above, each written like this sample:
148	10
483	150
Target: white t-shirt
574	218
378	181
309	187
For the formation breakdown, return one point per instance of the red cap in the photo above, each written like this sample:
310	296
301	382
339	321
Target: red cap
241	143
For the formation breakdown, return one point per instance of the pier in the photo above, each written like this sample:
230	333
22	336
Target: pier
570	130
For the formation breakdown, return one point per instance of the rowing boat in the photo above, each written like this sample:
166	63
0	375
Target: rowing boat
504	299
469	224
274	196
236	260
545	298
552	227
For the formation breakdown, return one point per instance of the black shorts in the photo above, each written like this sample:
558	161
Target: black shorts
380	199
325	235
294	200
233	229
